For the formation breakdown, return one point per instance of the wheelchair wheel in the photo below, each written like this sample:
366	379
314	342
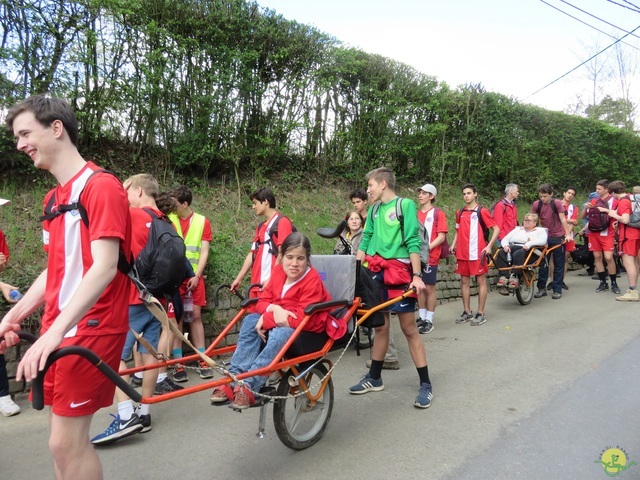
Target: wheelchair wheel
524	293
298	423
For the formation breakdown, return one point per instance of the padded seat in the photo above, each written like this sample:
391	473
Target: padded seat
338	273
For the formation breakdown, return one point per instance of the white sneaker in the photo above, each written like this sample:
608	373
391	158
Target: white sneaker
8	407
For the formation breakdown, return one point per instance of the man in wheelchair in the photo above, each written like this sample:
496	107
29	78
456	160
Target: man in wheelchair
516	246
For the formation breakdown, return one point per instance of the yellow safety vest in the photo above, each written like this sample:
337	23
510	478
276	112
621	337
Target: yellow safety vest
193	240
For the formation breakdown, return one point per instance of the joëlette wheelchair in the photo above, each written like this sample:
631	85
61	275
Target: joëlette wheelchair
526	273
303	394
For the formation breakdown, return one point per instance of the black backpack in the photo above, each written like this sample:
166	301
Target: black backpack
160	266
273	232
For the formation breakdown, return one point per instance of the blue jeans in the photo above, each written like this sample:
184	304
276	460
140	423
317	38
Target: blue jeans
558	266
252	353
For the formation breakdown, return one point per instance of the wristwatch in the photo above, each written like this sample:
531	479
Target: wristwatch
417	275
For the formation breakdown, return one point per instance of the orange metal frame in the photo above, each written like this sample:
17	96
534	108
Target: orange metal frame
279	364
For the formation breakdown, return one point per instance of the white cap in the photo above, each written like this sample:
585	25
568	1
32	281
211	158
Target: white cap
427	187
4	202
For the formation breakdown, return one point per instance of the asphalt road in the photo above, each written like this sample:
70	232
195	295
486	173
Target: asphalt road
538	392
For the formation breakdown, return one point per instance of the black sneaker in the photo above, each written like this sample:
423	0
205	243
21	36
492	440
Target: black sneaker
165	386
465	317
145	420
603	287
550	286
615	289
180	374
540	293
135	382
426	327
565	286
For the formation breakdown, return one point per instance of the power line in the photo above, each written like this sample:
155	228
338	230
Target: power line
624	6
587	60
597	18
626	1
588	24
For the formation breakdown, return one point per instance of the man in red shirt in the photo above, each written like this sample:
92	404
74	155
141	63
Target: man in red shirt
263	255
602	243
84	294
505	212
435	223
628	238
471	250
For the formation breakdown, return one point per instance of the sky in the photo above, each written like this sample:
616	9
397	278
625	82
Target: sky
514	47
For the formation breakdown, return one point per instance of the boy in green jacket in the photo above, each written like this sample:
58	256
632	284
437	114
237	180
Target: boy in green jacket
391	249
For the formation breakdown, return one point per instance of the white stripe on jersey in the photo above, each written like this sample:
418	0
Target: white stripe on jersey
267	259
473	235
74	265
429	221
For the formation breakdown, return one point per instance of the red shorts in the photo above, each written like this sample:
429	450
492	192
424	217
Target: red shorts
630	246
199	293
73	387
600	243
570	246
471	268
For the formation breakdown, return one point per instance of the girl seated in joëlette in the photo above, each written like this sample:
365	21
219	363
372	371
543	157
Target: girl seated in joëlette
293	286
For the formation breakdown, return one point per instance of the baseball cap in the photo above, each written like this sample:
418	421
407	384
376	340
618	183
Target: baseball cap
427	187
4	202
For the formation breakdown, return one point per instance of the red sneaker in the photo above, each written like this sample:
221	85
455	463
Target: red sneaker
221	394
242	398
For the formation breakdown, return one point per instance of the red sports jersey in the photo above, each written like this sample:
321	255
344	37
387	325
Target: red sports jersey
571	213
68	243
263	260
471	240
4	248
612	203
140	226
626	232
434	224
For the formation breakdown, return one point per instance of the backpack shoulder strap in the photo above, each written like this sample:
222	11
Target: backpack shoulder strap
50	214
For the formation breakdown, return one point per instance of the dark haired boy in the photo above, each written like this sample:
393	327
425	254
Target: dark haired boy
571	216
628	238
552	217
602	243
392	251
471	250
360	201
84	294
262	257
195	230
